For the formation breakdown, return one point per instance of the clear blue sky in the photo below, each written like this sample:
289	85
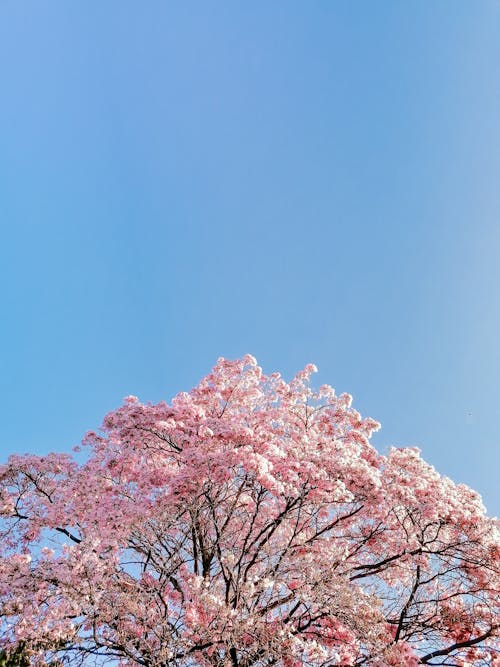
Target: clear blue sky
304	181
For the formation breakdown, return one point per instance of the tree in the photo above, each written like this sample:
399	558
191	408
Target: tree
249	523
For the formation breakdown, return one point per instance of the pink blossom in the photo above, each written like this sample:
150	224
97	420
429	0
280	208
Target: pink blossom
250	521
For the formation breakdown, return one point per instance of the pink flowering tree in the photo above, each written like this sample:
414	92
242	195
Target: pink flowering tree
249	523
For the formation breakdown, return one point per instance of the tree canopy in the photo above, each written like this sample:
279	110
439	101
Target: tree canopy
248	523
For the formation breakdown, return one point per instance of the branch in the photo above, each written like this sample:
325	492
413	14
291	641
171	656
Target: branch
458	645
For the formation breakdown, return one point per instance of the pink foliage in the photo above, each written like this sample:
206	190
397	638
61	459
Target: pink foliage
248	523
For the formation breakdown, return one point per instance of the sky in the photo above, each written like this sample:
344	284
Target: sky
303	181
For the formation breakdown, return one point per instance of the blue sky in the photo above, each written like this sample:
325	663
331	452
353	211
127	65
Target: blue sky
307	182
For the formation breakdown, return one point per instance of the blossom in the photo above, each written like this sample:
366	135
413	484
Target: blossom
250	517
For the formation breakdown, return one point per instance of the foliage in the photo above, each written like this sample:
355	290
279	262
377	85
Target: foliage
16	657
21	654
248	523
